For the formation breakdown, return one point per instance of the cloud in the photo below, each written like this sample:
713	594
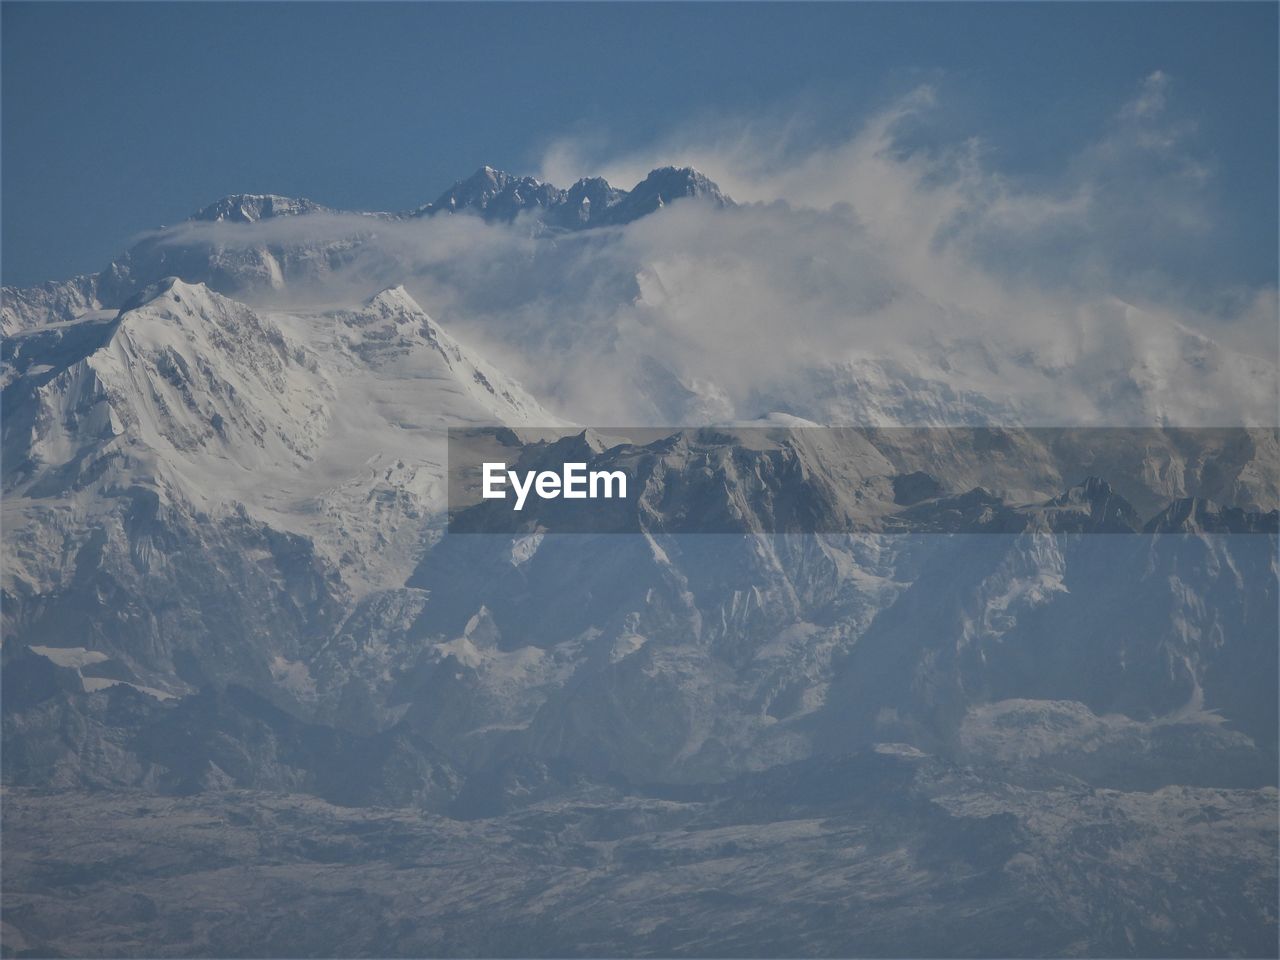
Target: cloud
1151	97
1129	213
865	278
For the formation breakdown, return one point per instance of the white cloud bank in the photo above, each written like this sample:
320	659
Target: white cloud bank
864	280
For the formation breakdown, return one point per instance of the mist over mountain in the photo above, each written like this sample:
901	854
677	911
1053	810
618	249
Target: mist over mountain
1034	706
710	311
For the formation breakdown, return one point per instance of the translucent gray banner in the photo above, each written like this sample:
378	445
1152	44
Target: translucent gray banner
939	480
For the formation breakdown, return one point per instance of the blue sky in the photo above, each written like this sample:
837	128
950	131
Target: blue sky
119	117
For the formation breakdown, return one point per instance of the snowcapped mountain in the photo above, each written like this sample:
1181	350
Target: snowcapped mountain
323	427
651	313
251	207
52	302
245	265
495	195
661	187
590	202
225	565
189	419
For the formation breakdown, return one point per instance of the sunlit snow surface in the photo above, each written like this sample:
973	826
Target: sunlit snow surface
247	673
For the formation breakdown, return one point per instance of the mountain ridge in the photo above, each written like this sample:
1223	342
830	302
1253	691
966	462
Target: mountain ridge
589	202
496	195
493	195
228	586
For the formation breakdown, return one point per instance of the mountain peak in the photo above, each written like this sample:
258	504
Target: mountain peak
252	207
675	182
174	288
586	203
486	178
662	186
495	194
591	201
1088	490
396	299
1093	506
692	177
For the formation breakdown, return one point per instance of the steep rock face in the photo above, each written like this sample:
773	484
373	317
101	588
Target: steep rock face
495	195
394	338
120	534
719	653
668	653
656	657
181	391
1202	515
52	302
589	202
1101	620
662	187
198	492
252	207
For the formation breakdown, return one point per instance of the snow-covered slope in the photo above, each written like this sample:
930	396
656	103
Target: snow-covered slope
188	438
1018	682
52	302
224	467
